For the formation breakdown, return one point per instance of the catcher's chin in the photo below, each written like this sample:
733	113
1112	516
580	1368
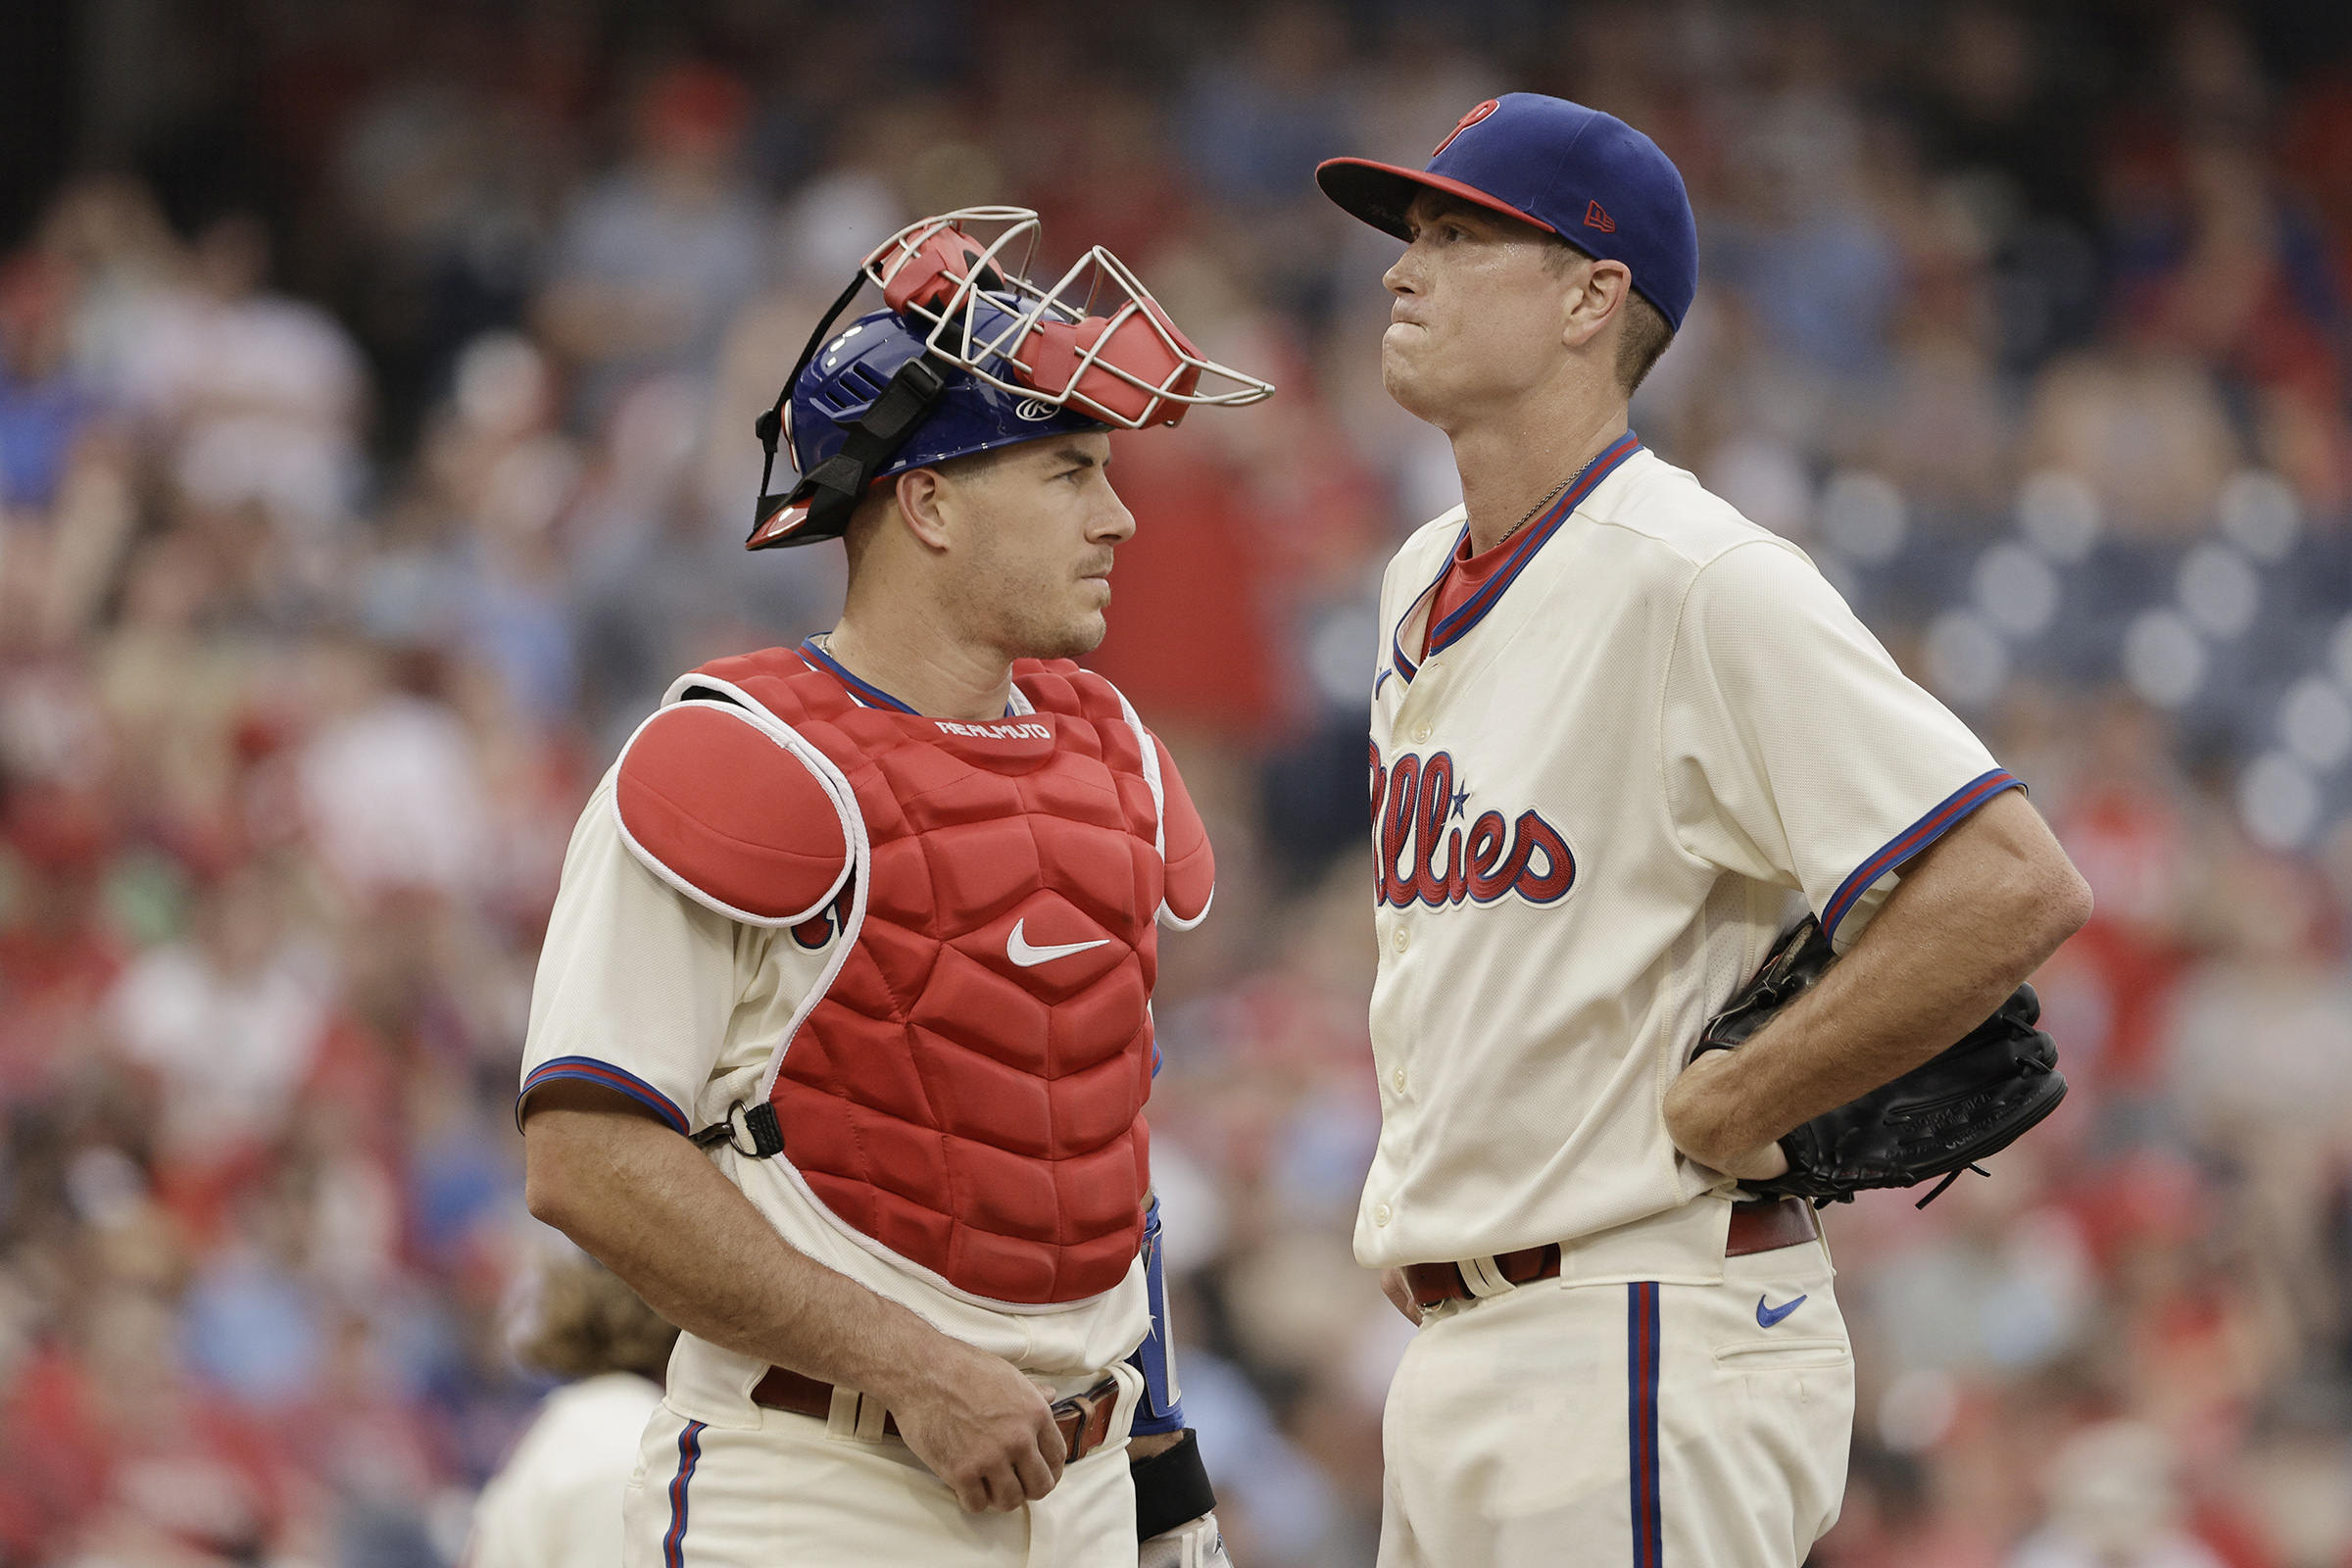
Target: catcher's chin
1696	1111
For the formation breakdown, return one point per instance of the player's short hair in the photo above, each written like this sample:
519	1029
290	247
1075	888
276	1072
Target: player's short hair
1645	335
587	1321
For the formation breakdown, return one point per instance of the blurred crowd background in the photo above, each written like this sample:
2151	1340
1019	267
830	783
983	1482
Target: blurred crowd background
376	385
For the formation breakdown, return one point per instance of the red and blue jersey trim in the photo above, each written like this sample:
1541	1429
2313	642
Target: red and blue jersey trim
1906	845
589	1070
689	1454
1531	538
862	692
1398	663
1641	1361
866	691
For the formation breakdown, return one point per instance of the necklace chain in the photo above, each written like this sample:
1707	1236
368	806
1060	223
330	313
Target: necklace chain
1549	496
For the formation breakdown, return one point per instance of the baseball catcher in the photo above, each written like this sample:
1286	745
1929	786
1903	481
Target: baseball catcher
841	1032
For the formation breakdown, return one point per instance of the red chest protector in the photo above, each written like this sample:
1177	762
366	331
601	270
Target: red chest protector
963	1090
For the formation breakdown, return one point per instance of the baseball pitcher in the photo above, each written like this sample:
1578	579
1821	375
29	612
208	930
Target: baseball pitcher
1622	738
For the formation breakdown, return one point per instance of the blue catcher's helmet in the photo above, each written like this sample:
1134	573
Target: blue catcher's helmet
970	354
928	413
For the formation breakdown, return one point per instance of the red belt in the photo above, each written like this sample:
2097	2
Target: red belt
1763	1225
1083	1419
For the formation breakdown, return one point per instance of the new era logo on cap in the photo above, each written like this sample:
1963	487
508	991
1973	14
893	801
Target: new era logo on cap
1587	177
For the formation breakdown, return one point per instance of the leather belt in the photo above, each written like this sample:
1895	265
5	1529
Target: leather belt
1083	1419
1765	1225
1768	1224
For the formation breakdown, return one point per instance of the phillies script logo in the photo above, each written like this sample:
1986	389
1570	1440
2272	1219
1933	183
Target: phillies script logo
1432	851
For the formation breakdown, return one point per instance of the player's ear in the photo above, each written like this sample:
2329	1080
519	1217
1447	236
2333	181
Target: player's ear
926	506
1597	294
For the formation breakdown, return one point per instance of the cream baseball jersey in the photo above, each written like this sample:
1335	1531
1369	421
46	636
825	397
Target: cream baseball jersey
1600	788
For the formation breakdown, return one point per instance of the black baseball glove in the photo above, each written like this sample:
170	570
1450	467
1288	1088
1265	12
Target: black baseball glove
1938	1119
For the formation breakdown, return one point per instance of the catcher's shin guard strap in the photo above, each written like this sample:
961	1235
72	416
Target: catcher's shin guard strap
1171	1488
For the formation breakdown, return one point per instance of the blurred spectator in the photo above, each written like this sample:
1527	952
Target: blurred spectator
445	185
65	507
58	959
44	409
257	398
1258	120
2125	824
226	1023
1253	124
1996	101
1805	249
109	232
556	1503
2114	1503
496	473
2144	428
391	783
654	260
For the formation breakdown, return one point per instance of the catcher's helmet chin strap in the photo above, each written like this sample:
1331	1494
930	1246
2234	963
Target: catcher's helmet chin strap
820	506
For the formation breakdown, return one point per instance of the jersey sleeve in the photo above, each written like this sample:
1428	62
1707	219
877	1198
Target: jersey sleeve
1191	880
636	980
1795	751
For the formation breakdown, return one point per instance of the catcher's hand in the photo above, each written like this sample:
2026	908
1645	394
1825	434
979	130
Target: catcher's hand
1968	1101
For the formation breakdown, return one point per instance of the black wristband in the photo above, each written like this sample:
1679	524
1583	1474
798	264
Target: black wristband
1171	1488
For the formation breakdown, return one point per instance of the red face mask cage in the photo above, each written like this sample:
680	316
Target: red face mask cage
1095	340
1127	366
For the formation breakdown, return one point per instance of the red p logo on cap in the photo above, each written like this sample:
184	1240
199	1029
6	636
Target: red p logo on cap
1465	123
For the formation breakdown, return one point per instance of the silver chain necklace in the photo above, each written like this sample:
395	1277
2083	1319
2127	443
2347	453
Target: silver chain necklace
1549	496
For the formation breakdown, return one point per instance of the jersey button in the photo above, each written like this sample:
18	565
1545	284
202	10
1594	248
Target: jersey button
1398	1078
1421	734
1380	1214
1404	938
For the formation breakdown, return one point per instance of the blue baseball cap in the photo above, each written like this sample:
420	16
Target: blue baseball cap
1584	175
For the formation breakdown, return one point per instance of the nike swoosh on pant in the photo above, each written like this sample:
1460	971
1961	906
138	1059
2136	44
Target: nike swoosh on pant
1018	950
1767	1316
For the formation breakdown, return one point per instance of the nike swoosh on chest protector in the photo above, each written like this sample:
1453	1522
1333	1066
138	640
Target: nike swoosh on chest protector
1767	1316
1018	950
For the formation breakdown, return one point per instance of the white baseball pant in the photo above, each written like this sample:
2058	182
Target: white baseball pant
795	1489
1639	1423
